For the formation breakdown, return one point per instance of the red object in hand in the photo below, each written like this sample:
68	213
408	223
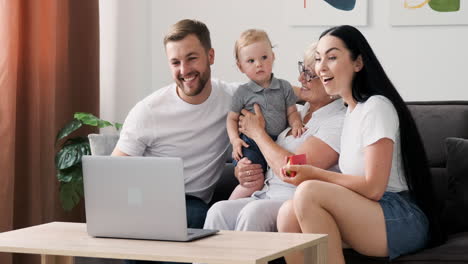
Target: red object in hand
296	160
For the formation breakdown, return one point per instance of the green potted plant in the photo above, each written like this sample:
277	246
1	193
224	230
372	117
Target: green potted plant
68	158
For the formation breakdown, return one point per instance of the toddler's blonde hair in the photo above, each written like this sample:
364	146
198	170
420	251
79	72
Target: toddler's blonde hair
248	37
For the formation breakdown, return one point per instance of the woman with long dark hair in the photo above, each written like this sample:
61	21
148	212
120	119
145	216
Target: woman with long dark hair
382	203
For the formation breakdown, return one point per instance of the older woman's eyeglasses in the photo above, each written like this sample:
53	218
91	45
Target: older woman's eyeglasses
308	75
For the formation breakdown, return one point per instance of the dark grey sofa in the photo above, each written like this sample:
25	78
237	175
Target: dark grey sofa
436	120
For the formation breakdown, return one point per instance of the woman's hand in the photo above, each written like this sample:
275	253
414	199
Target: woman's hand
249	175
250	124
303	173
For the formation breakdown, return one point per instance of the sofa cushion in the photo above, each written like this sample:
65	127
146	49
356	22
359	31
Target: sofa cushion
440	183
225	185
437	121
456	210
453	251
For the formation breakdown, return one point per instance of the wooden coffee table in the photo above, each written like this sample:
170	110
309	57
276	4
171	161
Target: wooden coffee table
58	242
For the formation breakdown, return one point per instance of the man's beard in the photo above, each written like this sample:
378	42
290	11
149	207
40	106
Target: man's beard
202	80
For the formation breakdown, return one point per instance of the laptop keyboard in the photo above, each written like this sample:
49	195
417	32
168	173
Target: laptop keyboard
192	231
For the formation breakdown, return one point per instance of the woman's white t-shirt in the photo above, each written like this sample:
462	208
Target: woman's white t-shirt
364	125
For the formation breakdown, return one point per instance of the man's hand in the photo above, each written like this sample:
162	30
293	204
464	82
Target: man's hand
237	145
249	175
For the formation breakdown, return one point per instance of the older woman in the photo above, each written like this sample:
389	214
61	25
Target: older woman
322	115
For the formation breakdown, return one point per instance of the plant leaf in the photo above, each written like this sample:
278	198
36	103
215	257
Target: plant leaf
71	193
118	126
68	129
62	177
87	118
80	187
104	123
72	152
91	120
67	175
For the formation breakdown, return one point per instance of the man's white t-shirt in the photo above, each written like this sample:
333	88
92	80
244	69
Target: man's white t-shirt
163	125
366	124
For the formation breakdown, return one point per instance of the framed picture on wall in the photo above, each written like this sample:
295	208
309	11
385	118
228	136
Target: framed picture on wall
428	12
326	12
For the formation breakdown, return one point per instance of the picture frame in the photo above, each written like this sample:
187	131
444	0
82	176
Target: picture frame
326	12
428	12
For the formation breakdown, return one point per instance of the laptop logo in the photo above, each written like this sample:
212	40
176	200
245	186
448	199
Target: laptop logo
134	196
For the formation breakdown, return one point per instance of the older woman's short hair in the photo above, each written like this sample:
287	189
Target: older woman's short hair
309	55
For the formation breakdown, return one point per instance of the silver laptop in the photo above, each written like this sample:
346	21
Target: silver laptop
137	197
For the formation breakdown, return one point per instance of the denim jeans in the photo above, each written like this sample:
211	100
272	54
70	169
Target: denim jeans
196	214
406	224
253	152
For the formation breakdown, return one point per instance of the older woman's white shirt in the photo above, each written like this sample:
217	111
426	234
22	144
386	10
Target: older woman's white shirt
325	124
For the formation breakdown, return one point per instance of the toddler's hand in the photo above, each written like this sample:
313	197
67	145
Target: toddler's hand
237	145
298	130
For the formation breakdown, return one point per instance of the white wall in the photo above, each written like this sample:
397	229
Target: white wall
424	62
125	56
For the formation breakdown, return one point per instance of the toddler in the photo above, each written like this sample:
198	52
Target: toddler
276	98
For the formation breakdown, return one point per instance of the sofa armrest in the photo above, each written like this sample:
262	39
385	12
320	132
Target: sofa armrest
102	144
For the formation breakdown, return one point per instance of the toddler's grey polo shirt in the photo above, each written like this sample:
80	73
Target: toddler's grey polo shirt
274	102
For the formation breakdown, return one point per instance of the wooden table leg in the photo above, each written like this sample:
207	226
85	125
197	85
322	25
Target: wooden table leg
316	254
51	259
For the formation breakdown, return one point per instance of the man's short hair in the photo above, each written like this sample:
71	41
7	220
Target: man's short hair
185	27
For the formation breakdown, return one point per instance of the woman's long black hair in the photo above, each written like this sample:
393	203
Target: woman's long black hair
372	80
